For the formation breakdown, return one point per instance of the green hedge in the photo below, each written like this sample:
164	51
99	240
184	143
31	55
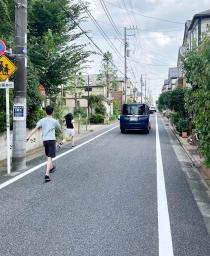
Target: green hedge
97	119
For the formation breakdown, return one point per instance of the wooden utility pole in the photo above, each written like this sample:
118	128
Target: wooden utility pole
125	57
19	123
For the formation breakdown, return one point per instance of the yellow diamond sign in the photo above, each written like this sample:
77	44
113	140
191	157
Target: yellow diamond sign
7	68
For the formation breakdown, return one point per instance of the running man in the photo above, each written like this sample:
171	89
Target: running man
48	125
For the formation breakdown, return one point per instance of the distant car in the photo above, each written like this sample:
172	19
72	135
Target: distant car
152	109
135	117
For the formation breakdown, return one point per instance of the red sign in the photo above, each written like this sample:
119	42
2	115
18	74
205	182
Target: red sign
2	47
42	90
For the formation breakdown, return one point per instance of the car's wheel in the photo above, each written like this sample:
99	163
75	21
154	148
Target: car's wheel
147	131
122	130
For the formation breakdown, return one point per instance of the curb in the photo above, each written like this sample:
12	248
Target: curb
194	162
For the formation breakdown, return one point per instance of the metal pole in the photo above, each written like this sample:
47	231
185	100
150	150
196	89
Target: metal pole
8	132
19	126
125	56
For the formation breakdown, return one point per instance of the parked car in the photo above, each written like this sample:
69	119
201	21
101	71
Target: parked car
152	109
135	117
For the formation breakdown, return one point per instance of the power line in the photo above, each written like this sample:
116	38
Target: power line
110	18
125	8
146	16
102	32
85	33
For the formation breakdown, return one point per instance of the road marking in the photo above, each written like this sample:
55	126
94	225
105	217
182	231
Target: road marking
164	229
20	176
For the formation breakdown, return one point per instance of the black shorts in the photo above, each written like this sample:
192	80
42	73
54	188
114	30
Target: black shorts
50	146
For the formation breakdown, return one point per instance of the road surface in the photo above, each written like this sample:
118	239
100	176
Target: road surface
117	194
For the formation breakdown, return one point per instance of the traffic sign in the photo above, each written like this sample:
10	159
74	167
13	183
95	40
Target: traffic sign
2	47
5	85
7	68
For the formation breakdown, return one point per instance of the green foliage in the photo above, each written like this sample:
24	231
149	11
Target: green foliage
34	117
53	54
197	72
95	100
164	101
100	109
97	119
182	125
173	100
81	111
130	100
116	108
108	73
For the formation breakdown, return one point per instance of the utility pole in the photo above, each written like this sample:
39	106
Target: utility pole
141	89
145	84
88	83
125	56
19	123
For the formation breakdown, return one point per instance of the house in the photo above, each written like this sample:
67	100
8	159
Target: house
199	25
90	87
173	74
194	29
165	85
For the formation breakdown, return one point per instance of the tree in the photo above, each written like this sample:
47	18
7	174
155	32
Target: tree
108	73
54	56
53	50
197	71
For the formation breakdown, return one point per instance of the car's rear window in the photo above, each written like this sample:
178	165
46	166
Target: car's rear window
134	109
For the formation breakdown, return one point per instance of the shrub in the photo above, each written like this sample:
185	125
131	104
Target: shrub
116	108
97	119
34	117
100	109
81	111
197	72
182	125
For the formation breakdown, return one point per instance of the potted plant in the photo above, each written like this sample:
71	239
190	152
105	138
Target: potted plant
182	127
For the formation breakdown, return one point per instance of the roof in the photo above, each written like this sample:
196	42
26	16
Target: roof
173	73
205	14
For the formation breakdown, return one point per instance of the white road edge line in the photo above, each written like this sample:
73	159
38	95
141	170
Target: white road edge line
164	229
20	176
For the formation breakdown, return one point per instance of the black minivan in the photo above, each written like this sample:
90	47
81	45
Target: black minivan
135	117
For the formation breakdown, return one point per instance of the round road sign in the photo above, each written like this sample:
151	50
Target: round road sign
2	47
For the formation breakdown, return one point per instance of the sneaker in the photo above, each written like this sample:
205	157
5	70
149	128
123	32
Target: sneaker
47	178
53	169
60	145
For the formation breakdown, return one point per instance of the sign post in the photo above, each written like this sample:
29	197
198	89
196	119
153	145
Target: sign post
7	85
7	68
8	132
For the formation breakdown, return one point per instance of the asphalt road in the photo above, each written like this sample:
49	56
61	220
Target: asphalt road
103	201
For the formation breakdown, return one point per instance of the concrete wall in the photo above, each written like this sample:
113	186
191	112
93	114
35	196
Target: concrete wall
35	142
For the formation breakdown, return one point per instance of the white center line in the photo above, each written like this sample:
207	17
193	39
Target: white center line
164	229
20	176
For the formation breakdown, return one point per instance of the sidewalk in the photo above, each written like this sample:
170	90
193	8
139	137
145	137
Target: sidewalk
38	152
191	151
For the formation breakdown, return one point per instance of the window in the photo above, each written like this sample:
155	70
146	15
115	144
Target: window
137	109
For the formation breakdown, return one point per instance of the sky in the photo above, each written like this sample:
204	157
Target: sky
157	34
